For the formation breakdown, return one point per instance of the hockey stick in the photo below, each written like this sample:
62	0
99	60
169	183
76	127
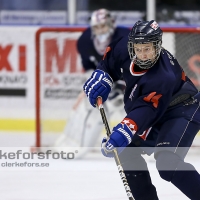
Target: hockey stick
116	157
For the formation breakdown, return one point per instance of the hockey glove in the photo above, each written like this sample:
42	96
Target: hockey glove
121	137
99	84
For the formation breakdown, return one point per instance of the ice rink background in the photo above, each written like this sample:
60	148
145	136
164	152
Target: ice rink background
91	178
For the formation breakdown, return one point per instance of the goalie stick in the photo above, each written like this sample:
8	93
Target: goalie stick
116	157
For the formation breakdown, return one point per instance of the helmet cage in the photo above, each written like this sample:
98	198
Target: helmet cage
144	32
102	17
144	64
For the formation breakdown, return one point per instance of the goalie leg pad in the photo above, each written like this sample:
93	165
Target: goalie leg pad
82	130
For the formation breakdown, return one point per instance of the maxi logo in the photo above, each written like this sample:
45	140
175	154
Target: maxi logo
61	58
13	69
152	97
9	50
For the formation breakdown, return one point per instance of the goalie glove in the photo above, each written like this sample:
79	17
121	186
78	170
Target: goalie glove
120	138
99	84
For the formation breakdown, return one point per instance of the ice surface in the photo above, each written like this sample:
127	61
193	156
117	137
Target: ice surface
91	178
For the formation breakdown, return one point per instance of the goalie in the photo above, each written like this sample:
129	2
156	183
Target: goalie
93	42
91	46
162	111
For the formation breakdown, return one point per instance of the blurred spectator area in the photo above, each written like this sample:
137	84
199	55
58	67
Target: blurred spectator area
62	4
182	12
169	5
40	4
168	12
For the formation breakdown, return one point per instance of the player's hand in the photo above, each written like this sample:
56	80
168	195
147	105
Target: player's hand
99	84
121	137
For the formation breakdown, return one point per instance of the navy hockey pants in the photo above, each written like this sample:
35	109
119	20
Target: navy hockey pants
170	140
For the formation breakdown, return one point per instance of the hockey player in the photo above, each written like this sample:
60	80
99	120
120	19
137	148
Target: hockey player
102	31
162	111
92	43
91	46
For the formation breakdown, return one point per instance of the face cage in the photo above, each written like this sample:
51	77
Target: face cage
144	64
111	28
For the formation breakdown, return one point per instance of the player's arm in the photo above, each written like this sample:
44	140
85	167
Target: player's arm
146	111
101	81
113	59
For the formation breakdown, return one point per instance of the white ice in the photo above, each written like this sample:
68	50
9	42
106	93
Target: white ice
91	178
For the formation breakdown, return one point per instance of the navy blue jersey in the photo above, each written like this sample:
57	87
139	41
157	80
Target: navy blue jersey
85	46
148	92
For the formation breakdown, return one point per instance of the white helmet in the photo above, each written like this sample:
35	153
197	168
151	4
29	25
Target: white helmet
102	26
101	16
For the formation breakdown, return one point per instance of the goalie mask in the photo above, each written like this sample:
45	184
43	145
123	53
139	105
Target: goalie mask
144	44
102	27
